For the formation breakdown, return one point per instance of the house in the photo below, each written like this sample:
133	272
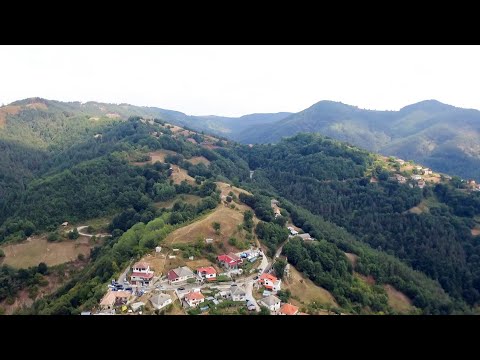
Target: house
114	298
230	261
159	301
141	273
421	184
180	274
270	282
416	177
208	241
288	309
427	171
158	249
419	168
65	223
274	202
271	302
238	293
251	305
292	230
400	161
194	298
207	273
401	179
306	237
137	306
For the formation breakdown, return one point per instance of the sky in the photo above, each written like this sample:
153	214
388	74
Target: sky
236	80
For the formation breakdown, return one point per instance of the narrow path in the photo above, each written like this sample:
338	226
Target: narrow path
80	228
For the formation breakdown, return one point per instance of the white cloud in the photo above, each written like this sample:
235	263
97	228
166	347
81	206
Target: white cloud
237	80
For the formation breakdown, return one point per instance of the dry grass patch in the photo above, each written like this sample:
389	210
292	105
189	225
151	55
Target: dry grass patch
35	250
370	280
179	175
8	110
352	258
156	261
475	231
228	218
398	300
305	290
199	160
37	106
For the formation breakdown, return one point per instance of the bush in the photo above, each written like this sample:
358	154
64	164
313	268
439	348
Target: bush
81	257
2	253
42	268
53	236
73	235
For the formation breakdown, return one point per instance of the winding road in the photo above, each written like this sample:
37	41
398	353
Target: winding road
80	228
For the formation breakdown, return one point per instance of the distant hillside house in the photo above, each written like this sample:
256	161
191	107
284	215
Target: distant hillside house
305	237
230	261
416	177
400	161
159	301
401	179
427	171
270	282
419	168
421	184
208	273
180	274
141	274
292	230
271	302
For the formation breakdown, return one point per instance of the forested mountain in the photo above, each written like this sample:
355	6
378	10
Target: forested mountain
440	136
65	164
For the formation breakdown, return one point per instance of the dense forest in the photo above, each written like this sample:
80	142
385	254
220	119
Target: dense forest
438	243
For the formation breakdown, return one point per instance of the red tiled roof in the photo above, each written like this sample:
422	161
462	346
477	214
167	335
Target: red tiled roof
143	275
194	296
208	270
172	275
267	277
229	259
288	309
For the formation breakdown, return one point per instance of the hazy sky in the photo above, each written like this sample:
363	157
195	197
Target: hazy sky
238	80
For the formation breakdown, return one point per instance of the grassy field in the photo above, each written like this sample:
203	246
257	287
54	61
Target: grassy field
398	300
228	218
156	261
38	249
304	289
188	198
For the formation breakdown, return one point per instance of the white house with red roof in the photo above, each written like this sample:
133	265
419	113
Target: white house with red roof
141	273
288	309
270	282
230	261
179	275
194	298
208	273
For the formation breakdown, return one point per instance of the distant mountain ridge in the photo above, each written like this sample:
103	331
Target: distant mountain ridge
438	135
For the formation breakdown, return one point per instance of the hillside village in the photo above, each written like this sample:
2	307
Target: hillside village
243	282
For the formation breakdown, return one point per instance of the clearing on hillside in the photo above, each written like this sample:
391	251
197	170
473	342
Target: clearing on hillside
156	261
8	110
304	289
398	300
370	280
188	198
352	258
228	218
35	250
179	175
199	160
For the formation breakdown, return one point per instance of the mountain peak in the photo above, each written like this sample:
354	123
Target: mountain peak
429	106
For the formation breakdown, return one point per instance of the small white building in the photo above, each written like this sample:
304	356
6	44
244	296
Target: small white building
194	298
271	302
416	177
159	301
158	249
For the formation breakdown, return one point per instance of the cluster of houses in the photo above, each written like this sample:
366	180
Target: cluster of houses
274	304
472	185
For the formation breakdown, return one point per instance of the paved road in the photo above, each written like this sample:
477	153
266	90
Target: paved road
249	295
123	275
80	228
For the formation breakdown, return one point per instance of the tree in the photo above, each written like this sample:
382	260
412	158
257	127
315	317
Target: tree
216	226
279	267
2	253
42	268
264	311
73	235
229	199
